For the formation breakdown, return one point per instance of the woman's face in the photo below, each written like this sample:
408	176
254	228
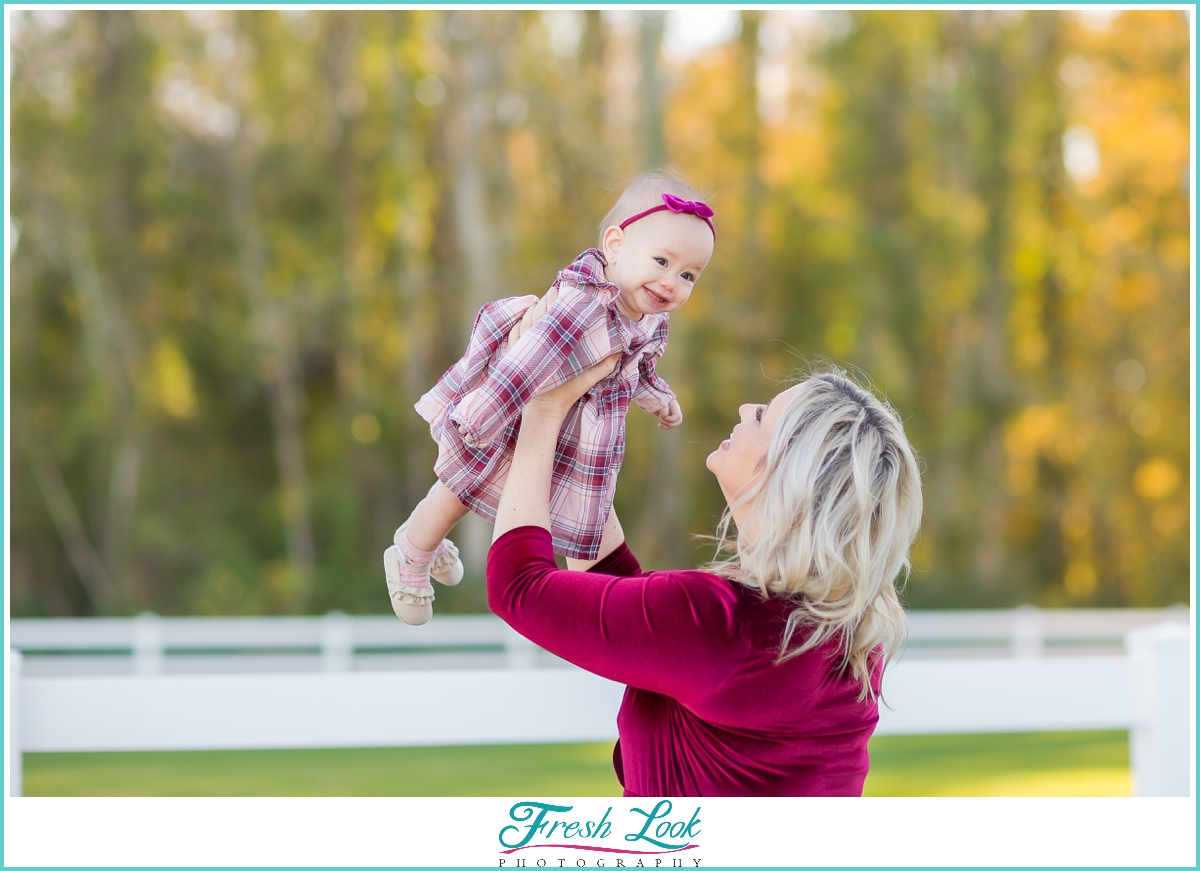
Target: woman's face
737	460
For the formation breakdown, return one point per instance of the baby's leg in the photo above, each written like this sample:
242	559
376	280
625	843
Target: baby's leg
434	517
609	541
408	563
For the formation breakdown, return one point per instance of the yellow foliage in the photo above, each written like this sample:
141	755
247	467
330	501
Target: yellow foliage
1039	431
1080	579
374	61
1145	419
792	153
282	586
1030	340
1076	522
1156	479
386	218
365	429
840	337
171	380
1169	519
1135	291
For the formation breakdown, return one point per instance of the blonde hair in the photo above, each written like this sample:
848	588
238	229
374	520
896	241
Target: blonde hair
833	513
645	191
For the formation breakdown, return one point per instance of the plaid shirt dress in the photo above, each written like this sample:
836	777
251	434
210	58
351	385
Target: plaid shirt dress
486	390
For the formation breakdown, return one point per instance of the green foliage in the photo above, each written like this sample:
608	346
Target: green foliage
248	241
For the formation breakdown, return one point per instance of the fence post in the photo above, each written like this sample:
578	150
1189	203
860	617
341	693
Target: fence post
337	642
15	786
1028	639
1159	742
147	643
519	651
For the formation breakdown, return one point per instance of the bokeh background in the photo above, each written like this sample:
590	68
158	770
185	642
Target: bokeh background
243	243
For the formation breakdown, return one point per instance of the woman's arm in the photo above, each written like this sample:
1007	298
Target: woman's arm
526	497
569	338
676	633
673	633
614	535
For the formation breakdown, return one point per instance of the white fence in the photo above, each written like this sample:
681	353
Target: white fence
349	701
149	644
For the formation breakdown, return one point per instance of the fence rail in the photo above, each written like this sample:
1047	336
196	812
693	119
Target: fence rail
149	644
1147	690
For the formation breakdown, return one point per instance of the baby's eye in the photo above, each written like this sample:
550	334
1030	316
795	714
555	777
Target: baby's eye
661	261
687	276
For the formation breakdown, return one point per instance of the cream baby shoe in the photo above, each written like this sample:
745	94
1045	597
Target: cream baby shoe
446	567
408	586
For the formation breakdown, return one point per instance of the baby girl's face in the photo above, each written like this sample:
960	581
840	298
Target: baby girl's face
656	261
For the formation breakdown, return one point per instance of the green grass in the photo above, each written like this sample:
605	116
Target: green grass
1057	763
551	769
1039	763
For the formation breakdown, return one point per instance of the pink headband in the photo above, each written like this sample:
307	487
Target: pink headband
675	204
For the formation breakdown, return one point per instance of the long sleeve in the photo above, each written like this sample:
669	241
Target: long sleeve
652	394
674	633
489	332
621	562
572	336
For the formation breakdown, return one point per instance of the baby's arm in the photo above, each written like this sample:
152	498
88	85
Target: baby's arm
552	351
672	417
655	396
487	336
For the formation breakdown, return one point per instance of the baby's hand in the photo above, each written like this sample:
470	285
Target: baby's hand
670	417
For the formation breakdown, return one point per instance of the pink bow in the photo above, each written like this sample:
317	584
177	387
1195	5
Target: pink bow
679	206
687	207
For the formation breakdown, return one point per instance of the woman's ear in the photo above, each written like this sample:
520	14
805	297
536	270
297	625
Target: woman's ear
614	238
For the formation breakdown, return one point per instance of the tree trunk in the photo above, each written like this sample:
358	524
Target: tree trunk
471	109
654	142
663	522
750	144
997	98
97	583
346	100
274	333
413	284
593	51
110	343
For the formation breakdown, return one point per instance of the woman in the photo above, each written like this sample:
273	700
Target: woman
759	676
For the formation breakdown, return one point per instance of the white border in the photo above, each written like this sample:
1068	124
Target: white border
460	831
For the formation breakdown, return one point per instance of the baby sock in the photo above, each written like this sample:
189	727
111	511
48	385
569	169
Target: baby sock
414	568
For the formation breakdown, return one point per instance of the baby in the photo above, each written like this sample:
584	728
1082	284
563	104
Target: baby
654	243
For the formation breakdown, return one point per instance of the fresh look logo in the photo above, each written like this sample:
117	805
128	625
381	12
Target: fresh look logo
644	833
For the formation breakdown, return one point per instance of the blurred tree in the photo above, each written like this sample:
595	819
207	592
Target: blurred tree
243	243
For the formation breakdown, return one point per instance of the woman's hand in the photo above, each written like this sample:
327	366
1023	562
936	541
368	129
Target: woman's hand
520	328
556	403
526	497
532	313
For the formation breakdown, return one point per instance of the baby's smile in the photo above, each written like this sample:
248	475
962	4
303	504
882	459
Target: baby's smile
656	262
657	299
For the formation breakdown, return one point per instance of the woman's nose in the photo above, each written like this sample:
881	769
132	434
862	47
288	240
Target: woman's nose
744	411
